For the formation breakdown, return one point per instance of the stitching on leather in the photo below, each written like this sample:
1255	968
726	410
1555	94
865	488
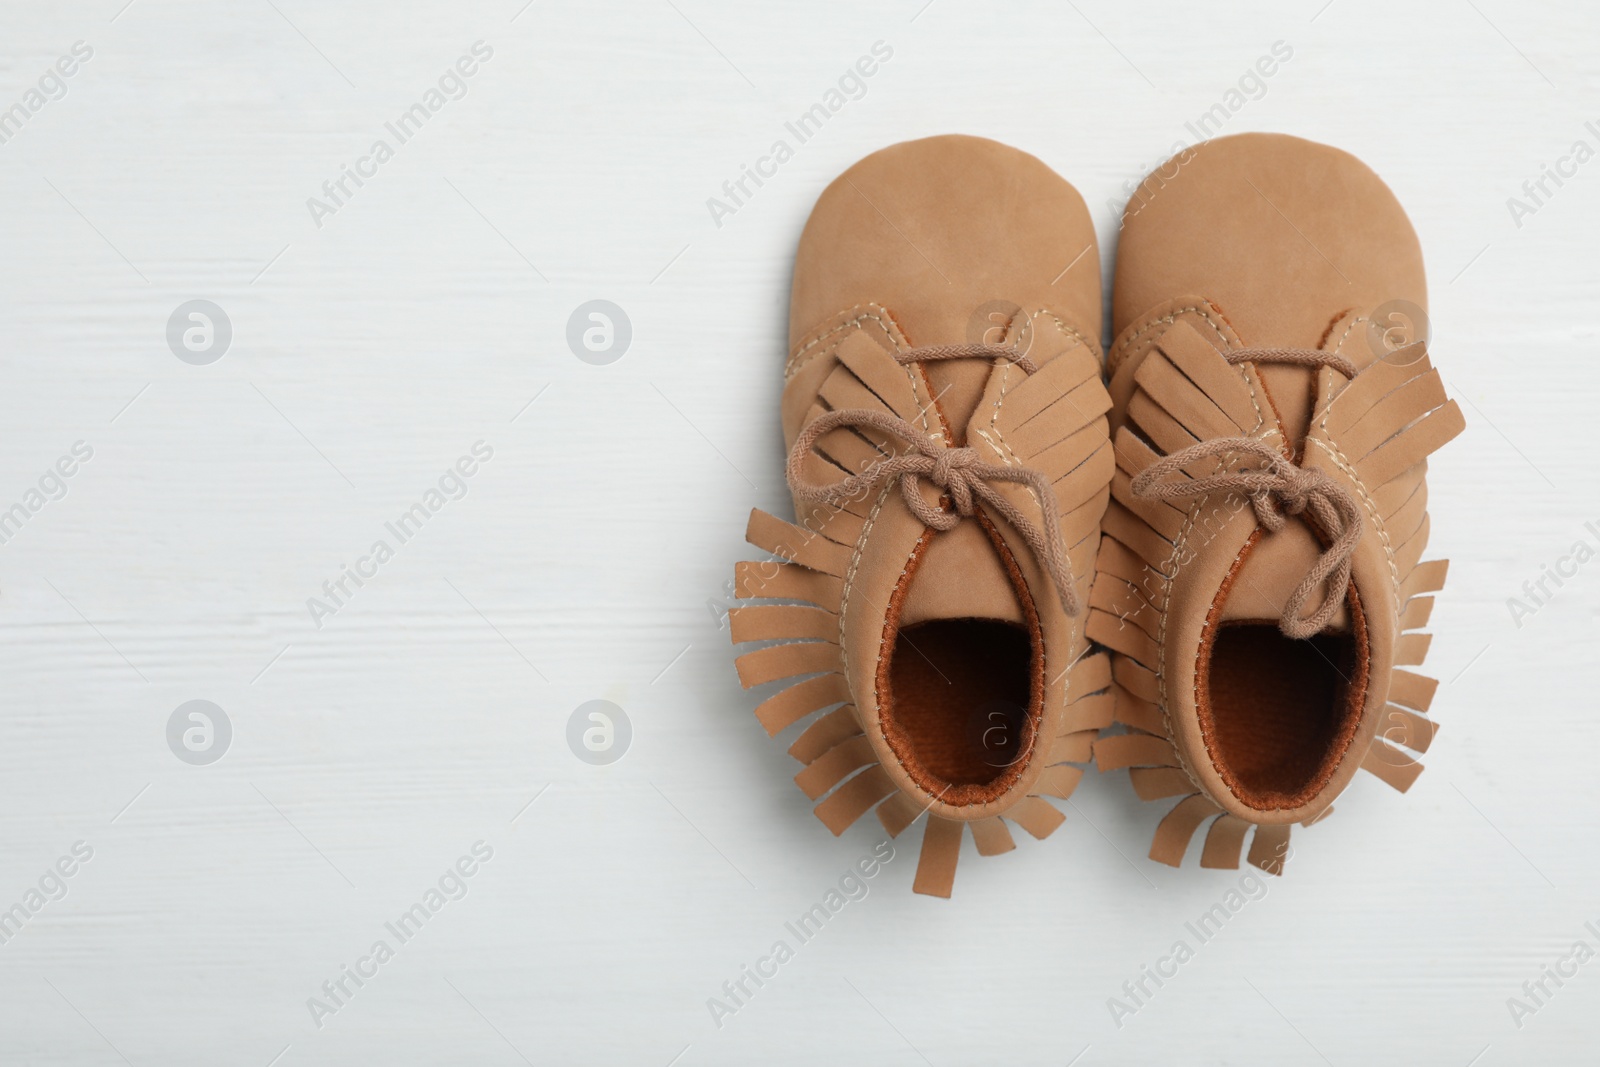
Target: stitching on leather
849	581
918	374
872	515
1343	463
1071	331
1347	330
1237	558
883	640
1122	347
993	434
997	441
925	402
1166	593
1121	353
1322	421
1030	612
876	313
1076	630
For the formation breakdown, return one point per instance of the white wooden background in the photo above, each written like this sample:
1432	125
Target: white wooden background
586	560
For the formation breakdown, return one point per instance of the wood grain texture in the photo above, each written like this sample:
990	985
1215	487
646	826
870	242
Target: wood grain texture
588	557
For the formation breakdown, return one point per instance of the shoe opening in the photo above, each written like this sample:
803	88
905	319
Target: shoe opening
963	708
1279	714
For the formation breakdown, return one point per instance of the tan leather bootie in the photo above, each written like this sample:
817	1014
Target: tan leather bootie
950	461
1259	581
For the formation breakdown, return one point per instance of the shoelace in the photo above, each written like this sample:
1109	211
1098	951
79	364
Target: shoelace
957	471
1296	489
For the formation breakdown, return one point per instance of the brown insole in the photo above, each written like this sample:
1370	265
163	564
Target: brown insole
960	689
1277	708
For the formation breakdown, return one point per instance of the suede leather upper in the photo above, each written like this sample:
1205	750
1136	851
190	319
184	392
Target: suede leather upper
1249	242
946	241
912	241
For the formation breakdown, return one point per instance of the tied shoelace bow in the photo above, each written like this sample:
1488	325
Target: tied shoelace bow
1278	483
959	472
